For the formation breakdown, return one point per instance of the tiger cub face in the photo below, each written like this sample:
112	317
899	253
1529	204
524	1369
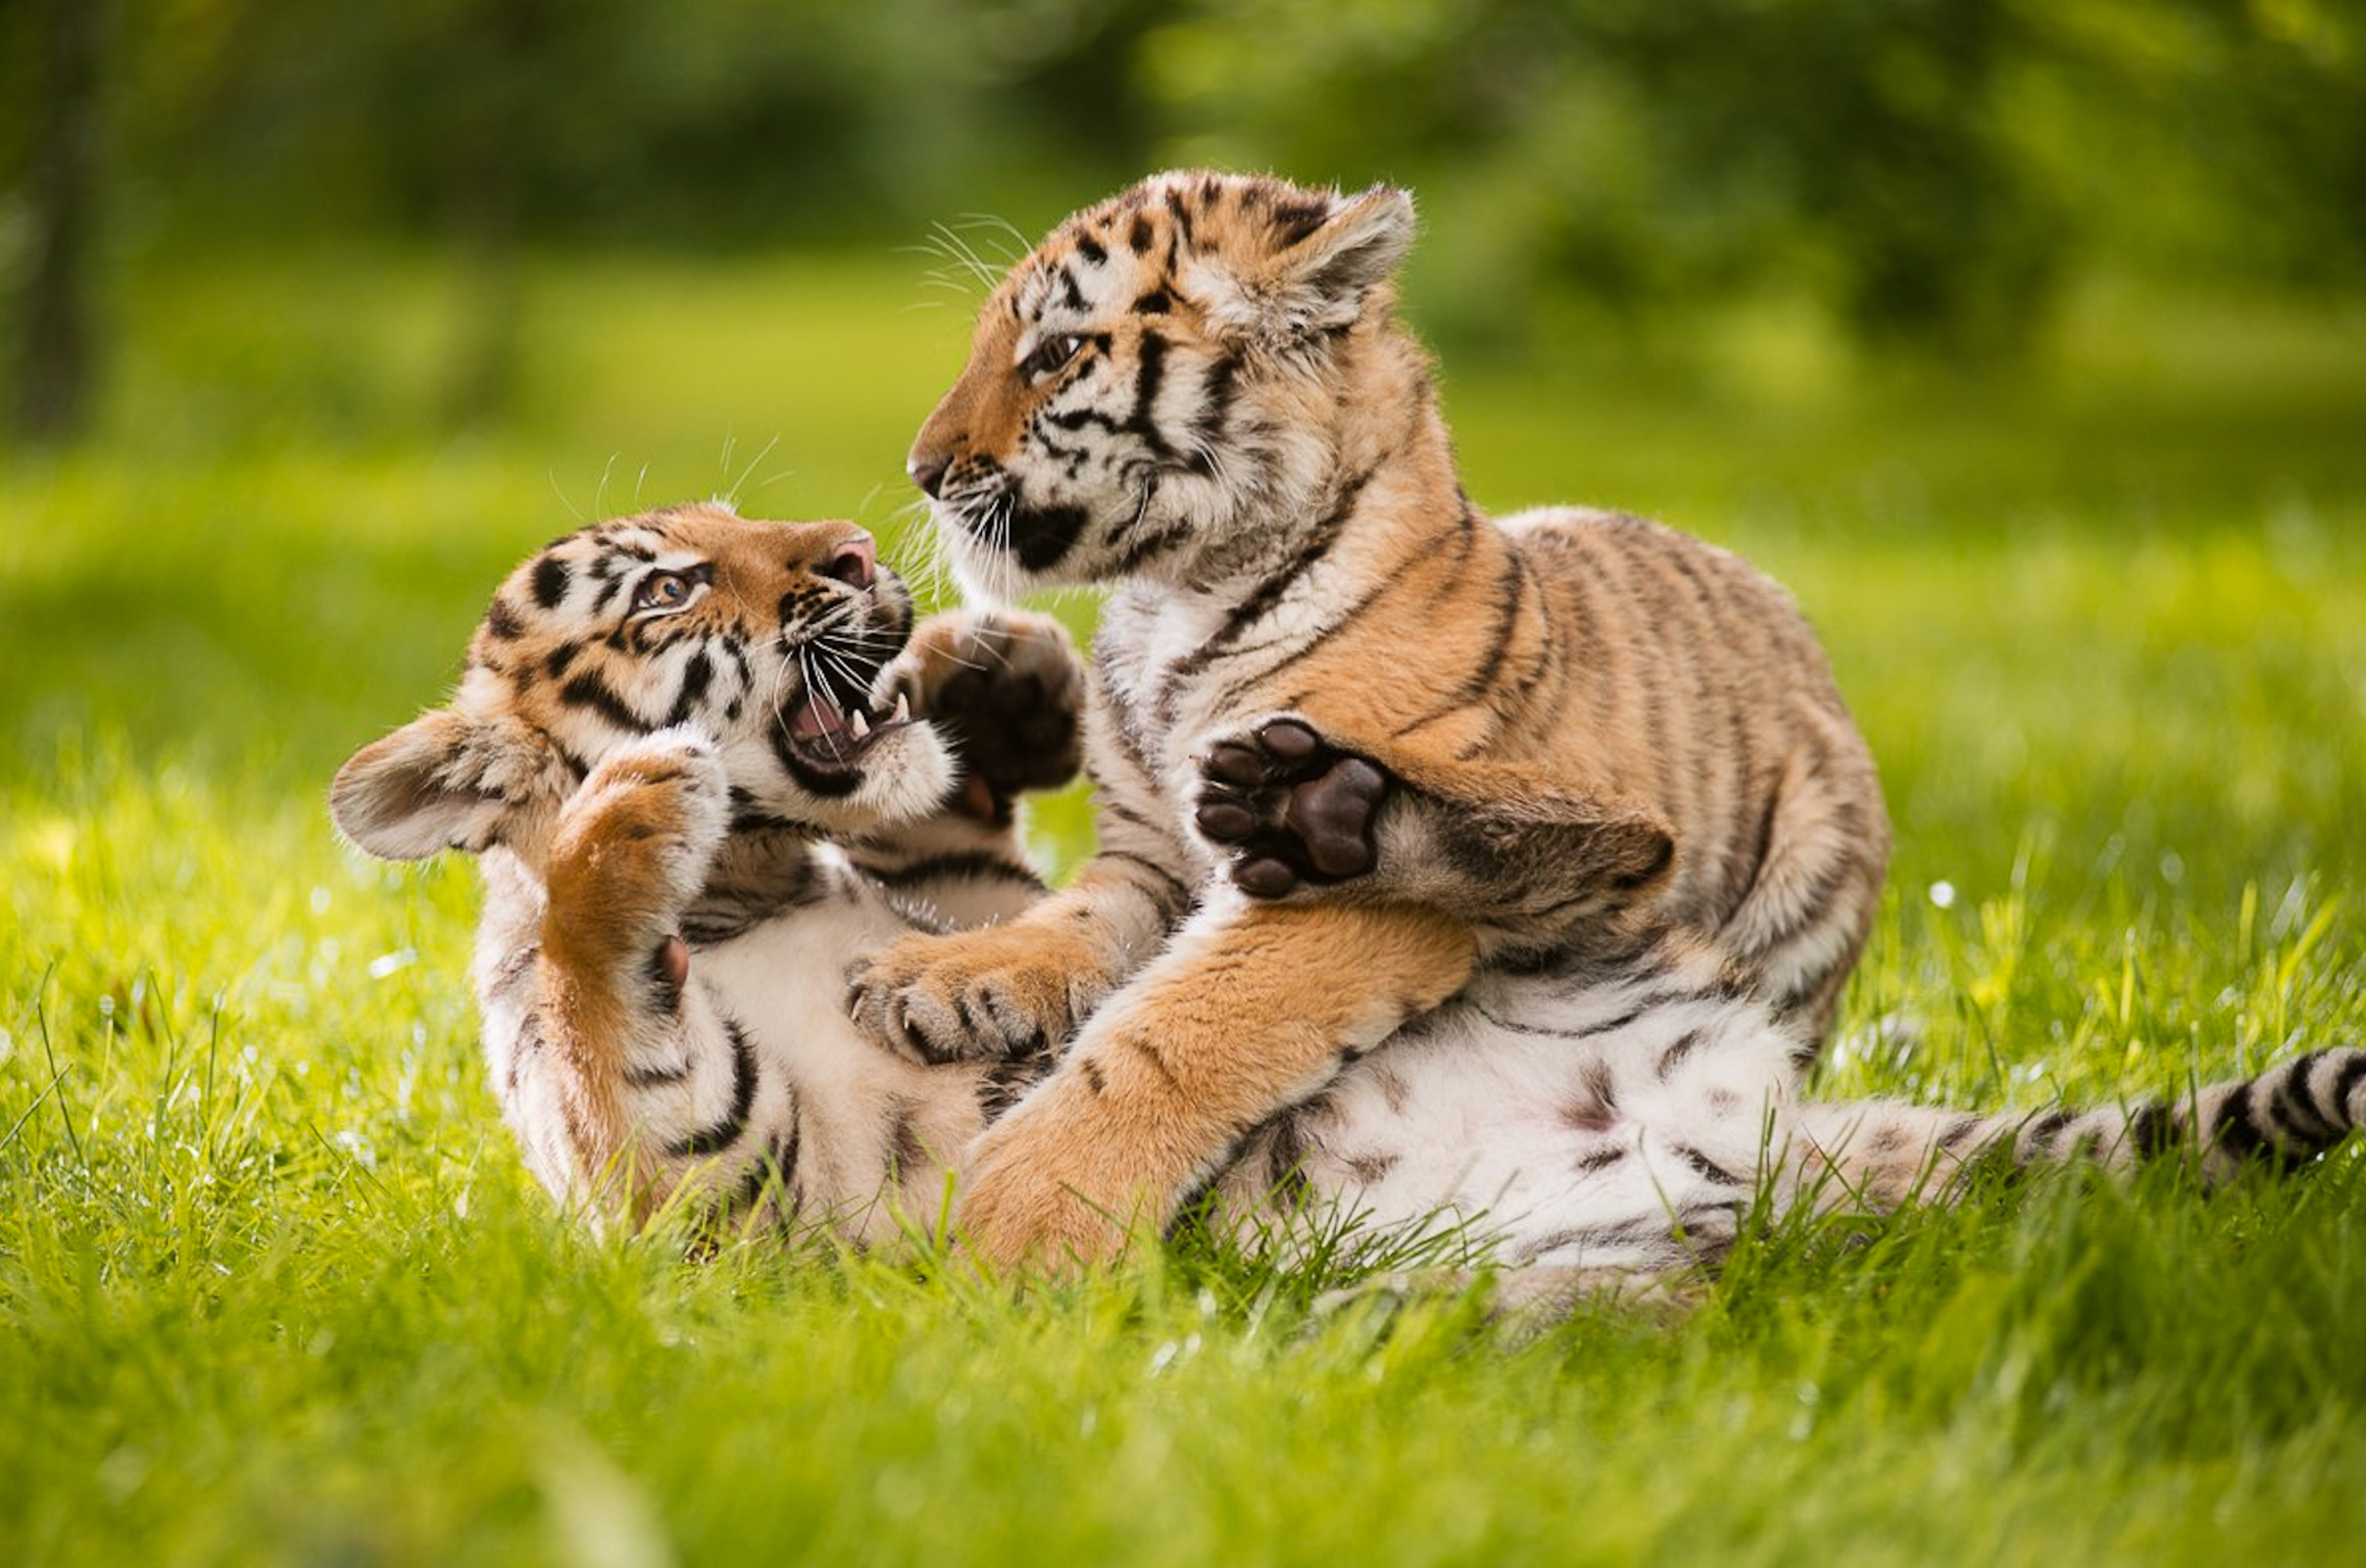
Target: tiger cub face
767	637
1158	381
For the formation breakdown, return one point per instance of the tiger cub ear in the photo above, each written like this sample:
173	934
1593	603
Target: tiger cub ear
1318	279
446	781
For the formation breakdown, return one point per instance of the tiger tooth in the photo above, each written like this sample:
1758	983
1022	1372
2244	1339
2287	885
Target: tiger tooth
856	722
903	708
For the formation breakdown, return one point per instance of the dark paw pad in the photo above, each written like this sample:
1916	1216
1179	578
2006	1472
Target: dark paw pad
1012	728
1292	807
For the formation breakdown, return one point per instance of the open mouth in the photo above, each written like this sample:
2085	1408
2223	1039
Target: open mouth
834	740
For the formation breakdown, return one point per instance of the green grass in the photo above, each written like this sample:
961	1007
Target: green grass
274	1289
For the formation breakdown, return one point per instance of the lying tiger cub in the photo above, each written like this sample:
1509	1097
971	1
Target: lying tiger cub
708	763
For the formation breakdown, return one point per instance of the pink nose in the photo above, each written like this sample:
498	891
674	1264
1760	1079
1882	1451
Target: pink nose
855	563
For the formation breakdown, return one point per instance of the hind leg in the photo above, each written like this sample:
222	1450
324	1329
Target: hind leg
1803	920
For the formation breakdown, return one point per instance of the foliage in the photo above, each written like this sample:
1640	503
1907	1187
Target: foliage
274	1290
1933	170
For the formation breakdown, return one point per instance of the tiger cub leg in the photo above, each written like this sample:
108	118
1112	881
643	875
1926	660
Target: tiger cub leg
630	853
1252	1008
1298	815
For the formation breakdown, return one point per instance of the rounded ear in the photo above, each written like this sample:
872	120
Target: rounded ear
1359	245
442	782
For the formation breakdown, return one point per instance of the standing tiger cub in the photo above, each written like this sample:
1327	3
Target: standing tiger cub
1197	393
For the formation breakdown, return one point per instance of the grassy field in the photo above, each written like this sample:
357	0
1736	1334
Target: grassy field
274	1290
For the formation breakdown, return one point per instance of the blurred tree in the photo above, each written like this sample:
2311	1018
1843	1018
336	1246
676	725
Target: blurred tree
1931	168
56	326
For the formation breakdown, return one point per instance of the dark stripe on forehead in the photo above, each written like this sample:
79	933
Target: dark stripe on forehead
1139	240
1158	302
551	579
1069	294
1091	249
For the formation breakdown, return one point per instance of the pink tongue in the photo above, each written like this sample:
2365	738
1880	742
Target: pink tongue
816	717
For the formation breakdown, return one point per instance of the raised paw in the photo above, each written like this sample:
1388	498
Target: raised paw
1006	690
998	993
1289	808
634	844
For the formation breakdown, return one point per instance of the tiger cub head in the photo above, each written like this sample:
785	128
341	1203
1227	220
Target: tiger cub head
767	637
1167	375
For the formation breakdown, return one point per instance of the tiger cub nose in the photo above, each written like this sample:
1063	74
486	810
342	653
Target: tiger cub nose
855	563
927	471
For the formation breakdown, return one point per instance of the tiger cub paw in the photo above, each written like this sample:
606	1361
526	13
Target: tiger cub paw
1006	690
1289	807
998	993
644	826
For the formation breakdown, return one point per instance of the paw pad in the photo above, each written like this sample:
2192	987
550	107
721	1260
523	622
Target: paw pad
1293	807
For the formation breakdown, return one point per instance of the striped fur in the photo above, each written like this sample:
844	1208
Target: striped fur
661	964
1197	393
678	751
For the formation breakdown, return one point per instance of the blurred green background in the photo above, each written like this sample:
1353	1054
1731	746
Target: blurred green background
2025	342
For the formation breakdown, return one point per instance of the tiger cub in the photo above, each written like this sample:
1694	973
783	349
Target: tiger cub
703	770
706	763
1197	393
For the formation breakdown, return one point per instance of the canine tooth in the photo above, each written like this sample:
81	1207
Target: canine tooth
903	708
856	722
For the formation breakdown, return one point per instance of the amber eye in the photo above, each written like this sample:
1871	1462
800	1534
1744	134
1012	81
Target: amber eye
1050	355
662	590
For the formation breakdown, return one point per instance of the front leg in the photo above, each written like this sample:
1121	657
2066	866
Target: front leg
1299	816
631	851
1251	1008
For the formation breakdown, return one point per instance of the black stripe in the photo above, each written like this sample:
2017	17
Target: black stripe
1180	888
1091	249
696	675
1673	1057
2151	1132
550	580
1510	590
1042	536
725	1132
503	621
2346	1086
967	866
2046	1128
1265	595
588	690
1704	1166
2235	1129
1147	379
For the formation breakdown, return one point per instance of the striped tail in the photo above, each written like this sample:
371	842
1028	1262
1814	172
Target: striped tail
1883	1153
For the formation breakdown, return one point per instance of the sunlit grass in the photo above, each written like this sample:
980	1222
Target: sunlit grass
275	1289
